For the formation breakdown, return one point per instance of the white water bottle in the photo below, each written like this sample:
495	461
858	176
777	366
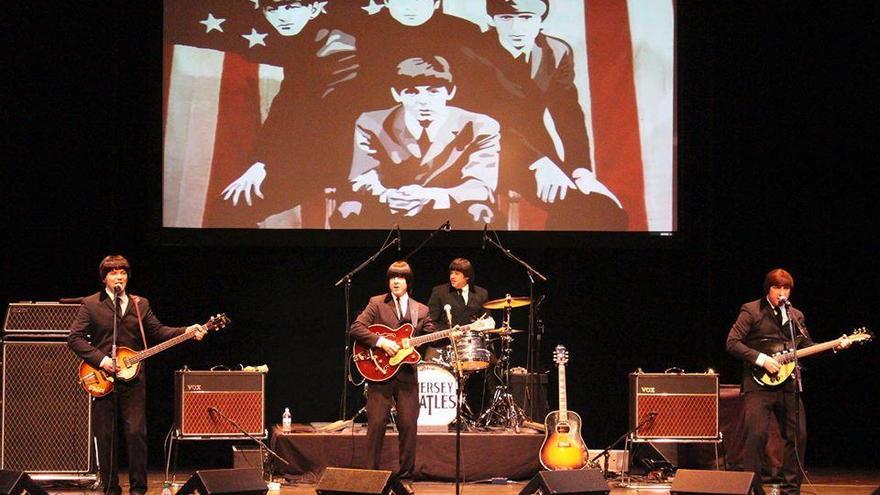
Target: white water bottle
286	420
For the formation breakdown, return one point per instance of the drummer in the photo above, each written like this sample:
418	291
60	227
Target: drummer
464	298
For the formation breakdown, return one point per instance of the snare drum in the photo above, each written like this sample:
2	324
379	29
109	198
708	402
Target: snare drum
472	352
437	391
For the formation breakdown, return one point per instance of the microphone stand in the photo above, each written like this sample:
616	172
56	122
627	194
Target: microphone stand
346	279
532	349
113	354
259	442
607	452
458	392
443	228
799	386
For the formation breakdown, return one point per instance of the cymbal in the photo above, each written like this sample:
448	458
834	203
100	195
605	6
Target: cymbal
507	302
503	330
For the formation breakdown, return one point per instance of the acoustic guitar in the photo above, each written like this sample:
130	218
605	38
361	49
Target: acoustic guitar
99	383
563	446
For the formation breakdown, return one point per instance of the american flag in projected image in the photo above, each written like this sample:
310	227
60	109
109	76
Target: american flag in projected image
282	114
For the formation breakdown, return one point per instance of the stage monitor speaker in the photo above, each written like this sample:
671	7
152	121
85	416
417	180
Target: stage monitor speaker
343	481
225	481
697	482
583	481
46	414
674	405
16	483
239	395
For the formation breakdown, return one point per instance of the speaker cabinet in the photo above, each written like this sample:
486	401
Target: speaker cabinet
16	482
697	482
225	481
46	414
39	319
342	481
674	405
584	481
236	394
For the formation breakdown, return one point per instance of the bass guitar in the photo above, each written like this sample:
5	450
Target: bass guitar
563	446
377	366
786	357
99	383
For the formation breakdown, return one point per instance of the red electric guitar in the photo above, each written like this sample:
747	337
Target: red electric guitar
377	366
99	383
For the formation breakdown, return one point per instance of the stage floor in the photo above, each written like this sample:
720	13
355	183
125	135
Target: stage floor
825	482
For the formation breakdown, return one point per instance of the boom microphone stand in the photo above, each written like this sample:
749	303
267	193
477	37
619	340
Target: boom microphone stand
443	228
346	279
213	410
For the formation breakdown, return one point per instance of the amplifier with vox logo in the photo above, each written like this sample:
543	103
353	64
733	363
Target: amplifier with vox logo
208	404
674	406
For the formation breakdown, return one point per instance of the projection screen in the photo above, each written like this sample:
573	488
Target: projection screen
526	115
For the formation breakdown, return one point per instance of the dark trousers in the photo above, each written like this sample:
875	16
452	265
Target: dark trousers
131	421
380	396
762	406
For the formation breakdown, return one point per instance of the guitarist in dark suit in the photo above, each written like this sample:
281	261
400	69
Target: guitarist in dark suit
760	326
91	338
392	310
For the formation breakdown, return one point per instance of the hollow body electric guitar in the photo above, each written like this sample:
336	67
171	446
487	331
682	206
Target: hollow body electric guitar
377	366
99	383
786	357
563	446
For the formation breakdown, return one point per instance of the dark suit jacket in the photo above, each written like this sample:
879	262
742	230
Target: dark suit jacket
755	324
95	318
461	314
520	92
380	310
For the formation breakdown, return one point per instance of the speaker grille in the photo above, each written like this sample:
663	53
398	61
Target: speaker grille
39	317
46	415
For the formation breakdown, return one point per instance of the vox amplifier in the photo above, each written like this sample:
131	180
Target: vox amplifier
208	403
675	406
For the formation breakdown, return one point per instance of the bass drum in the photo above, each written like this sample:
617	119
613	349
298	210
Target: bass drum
437	395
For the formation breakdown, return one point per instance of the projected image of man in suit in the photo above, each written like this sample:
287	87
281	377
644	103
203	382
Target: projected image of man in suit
422	161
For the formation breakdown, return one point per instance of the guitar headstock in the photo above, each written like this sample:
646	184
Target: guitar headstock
217	322
560	355
860	335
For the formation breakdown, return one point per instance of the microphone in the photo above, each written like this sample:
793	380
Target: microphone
783	301
485	236
117	288
212	410
448	309
398	237
446	226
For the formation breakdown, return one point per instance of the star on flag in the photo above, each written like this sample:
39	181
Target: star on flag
212	23
254	38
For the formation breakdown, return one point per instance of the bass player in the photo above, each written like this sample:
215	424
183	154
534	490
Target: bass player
126	405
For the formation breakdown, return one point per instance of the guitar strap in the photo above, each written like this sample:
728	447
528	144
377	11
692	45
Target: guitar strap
137	308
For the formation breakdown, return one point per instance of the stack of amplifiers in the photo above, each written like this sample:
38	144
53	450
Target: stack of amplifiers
203	398
45	414
684	406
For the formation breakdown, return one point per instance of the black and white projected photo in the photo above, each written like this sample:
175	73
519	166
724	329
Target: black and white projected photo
527	115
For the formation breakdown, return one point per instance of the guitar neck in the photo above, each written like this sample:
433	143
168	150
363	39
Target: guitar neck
563	406
160	347
815	349
431	337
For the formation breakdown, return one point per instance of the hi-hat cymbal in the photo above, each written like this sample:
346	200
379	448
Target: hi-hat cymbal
503	330
508	302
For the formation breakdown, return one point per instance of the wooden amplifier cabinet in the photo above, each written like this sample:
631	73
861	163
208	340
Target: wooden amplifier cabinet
684	406
202	398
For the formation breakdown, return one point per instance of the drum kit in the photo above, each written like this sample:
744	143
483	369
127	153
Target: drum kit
472	353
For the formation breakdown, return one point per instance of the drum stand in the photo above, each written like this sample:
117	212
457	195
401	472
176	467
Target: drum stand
503	410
